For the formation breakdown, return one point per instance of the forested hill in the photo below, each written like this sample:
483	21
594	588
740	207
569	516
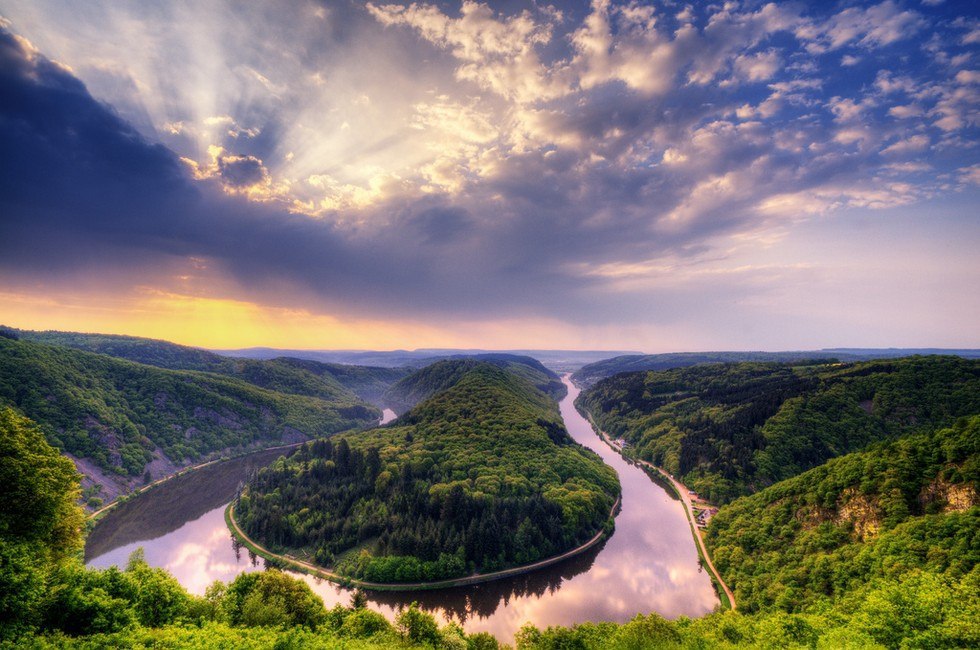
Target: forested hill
591	373
124	419
478	477
899	507
440	375
284	374
733	429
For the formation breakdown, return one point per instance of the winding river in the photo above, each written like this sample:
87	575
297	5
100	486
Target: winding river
649	564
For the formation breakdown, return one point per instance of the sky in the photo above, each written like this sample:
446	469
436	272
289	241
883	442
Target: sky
654	176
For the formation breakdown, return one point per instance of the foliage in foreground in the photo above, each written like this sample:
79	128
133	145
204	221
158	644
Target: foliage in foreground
921	610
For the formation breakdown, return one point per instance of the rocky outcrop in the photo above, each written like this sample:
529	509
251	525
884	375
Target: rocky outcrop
861	511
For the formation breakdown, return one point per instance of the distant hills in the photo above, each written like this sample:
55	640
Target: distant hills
590	373
282	373
557	360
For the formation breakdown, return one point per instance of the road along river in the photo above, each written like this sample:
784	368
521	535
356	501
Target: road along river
650	564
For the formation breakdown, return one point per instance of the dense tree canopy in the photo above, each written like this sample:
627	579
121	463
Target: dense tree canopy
117	412
40	523
480	476
732	429
874	550
440	375
911	504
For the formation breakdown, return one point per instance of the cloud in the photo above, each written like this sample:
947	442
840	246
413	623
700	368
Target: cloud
242	171
427	161
758	67
911	144
496	54
870	28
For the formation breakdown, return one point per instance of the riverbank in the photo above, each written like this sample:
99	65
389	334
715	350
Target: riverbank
289	561
98	514
683	494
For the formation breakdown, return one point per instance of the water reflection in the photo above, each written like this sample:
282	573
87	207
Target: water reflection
170	505
649	564
196	553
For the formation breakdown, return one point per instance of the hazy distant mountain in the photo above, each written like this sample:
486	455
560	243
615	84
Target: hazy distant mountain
556	360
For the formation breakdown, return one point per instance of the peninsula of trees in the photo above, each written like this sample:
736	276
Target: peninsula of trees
480	476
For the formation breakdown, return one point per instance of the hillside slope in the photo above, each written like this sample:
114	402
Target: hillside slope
733	429
591	373
479	476
906	505
441	375
119	420
284	374
588	375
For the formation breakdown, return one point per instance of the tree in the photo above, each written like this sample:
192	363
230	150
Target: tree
273	598
40	522
417	626
159	597
358	599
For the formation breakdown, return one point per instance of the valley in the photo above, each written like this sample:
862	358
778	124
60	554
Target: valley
498	511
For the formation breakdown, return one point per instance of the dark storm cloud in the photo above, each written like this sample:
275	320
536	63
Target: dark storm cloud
241	171
81	190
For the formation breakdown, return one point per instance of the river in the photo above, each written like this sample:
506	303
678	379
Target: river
649	564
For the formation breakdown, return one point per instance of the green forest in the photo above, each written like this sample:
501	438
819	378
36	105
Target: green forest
896	507
478	477
443	374
49	600
732	429
284	374
873	549
117	413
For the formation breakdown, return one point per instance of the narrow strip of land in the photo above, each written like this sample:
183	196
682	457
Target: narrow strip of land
684	493
315	570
